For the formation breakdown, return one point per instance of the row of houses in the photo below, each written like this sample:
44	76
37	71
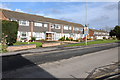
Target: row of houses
47	28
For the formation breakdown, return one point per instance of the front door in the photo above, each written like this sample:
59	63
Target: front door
48	36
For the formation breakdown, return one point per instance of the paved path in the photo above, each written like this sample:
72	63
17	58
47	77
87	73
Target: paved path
74	67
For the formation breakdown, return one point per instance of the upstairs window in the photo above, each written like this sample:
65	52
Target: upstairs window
24	23
70	28
81	29
76	29
57	26
45	25
13	19
52	26
65	27
38	24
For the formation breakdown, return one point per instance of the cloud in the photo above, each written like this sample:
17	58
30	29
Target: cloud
19	10
99	14
111	6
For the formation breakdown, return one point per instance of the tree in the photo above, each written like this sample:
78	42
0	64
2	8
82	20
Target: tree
115	32
9	31
112	33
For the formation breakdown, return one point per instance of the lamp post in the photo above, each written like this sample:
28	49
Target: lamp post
86	25
86	33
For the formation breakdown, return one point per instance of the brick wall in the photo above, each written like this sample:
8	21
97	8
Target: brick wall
50	44
21	47
91	33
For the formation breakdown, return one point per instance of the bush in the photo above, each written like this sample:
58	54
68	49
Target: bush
67	39
62	38
78	40
114	38
71	39
3	48
104	38
42	39
33	38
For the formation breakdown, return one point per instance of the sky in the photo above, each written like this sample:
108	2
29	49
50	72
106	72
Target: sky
99	14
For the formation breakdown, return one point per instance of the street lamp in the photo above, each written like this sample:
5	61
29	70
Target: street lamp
86	33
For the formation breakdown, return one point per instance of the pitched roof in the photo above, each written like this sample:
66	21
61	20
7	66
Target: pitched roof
31	17
20	15
98	30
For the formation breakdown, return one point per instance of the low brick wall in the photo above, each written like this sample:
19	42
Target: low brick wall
70	42
50	44
21	47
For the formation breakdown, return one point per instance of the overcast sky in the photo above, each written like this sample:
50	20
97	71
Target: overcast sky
100	14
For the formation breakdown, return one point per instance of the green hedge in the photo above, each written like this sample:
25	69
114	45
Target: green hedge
9	31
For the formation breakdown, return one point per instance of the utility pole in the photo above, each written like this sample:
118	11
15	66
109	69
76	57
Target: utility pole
86	25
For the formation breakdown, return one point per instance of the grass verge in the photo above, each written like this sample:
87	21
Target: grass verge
38	44
93	42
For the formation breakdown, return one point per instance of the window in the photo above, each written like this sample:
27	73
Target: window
52	26
65	27
13	19
57	26
76	29
24	23
38	24
70	28
45	25
81	29
23	34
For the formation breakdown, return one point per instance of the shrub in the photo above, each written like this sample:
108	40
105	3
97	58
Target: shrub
33	38
62	38
78	40
114	38
104	38
67	39
71	39
42	39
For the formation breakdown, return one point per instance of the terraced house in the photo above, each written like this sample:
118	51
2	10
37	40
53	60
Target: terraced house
42	27
98	34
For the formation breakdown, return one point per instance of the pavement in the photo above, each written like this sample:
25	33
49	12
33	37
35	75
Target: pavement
59	64
40	50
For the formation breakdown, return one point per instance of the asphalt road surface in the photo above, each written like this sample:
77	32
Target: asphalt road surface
47	64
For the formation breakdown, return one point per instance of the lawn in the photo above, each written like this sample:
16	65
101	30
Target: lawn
93	42
38	44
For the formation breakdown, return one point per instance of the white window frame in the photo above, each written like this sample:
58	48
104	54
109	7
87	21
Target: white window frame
23	21
38	24
57	26
76	29
45	25
13	19
66	27
81	29
23	33
52	26
70	27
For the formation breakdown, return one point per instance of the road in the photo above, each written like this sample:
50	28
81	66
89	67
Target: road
59	64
